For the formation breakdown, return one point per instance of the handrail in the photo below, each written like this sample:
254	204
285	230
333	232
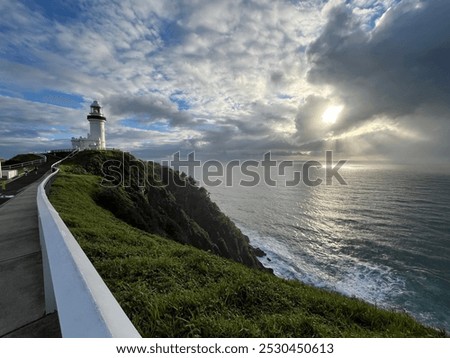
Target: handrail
60	150
24	164
85	305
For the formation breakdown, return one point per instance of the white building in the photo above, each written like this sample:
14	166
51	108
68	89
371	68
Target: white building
9	174
96	139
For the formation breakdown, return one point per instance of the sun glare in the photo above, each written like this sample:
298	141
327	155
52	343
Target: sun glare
331	114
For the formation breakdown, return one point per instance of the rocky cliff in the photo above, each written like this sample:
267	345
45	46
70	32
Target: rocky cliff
163	202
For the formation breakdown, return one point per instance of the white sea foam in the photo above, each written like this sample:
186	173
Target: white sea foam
376	284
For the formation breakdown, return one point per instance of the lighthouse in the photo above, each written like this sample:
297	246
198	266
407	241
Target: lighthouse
96	139
97	123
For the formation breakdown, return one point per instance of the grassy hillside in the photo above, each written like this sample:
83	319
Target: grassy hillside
169	289
163	202
22	158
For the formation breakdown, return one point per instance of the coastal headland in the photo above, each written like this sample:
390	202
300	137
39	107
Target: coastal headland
180	268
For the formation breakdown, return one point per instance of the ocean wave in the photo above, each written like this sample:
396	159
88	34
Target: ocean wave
377	284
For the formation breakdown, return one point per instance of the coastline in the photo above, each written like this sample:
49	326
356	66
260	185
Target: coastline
274	262
162	276
387	245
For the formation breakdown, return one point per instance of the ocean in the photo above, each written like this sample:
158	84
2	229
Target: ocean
384	237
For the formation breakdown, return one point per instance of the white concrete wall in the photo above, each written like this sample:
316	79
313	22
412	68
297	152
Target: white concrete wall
85	306
9	174
84	143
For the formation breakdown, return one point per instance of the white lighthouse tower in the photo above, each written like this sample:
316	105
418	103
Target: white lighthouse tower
96	139
97	122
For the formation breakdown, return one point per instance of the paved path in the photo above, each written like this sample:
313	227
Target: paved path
16	186
21	279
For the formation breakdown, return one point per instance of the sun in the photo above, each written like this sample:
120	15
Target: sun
331	114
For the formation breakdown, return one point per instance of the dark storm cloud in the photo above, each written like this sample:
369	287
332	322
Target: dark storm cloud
148	109
276	77
401	65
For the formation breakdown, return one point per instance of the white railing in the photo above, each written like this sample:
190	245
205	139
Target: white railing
73	288
25	164
67	150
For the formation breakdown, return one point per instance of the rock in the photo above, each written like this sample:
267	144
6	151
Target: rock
258	252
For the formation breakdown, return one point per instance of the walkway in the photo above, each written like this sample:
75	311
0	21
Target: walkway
21	280
18	184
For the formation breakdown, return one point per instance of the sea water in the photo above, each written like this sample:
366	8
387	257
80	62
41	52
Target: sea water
384	237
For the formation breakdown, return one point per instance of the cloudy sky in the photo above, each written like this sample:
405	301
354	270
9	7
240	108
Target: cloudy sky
229	78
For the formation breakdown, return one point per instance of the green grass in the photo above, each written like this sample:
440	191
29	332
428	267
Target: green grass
173	290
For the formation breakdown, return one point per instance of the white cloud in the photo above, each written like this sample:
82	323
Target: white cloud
238	67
